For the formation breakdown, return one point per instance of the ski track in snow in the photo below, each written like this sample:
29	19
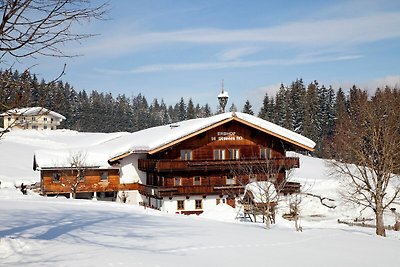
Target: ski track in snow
276	244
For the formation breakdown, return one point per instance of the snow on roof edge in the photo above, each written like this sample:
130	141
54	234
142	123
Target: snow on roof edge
185	128
32	111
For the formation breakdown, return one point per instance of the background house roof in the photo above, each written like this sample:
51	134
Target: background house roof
32	111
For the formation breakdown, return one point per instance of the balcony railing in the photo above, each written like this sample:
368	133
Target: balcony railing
152	165
160	192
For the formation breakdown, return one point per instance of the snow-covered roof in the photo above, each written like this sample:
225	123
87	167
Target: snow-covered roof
262	191
155	138
96	149
223	94
32	111
48	159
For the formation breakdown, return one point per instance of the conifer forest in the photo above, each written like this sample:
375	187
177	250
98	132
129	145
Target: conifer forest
313	110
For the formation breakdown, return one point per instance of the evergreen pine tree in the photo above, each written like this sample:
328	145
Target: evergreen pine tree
207	111
247	108
297	95
233	108
280	106
264	111
182	112
191	114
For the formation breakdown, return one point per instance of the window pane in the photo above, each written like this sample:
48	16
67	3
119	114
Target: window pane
104	176
178	181
219	154
233	153
186	154
56	177
197	180
265	153
180	205
199	203
230	180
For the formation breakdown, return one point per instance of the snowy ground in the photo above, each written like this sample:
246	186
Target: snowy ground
38	231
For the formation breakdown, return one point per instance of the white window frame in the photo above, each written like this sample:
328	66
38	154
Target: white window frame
198	182
183	204
200	207
178	181
265	153
186	154
230	179
233	153
219	154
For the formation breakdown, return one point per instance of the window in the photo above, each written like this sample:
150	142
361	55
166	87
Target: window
199	204
177	181
52	120
186	154
56	177
104	176
45	127
233	153
219	154
230	179
265	153
45	120
197	180
33	118
34	127
180	204
9	119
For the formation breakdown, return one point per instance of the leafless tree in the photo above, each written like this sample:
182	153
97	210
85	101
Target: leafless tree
41	27
30	28
295	201
367	153
264	182
74	175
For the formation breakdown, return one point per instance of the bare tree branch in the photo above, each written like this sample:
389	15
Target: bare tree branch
40	27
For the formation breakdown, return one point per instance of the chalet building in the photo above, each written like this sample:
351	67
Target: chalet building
37	118
189	166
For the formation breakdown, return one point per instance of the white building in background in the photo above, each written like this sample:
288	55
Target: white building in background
37	118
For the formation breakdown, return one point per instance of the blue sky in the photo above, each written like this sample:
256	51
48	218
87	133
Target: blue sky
169	49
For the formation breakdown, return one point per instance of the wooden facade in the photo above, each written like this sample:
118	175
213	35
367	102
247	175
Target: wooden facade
219	162
61	180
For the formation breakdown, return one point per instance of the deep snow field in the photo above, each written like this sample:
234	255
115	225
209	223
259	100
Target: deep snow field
40	231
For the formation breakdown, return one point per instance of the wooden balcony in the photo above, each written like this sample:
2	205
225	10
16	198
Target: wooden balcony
168	166
58	188
160	192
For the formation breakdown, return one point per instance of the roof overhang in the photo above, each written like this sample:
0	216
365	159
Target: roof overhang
188	136
275	134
